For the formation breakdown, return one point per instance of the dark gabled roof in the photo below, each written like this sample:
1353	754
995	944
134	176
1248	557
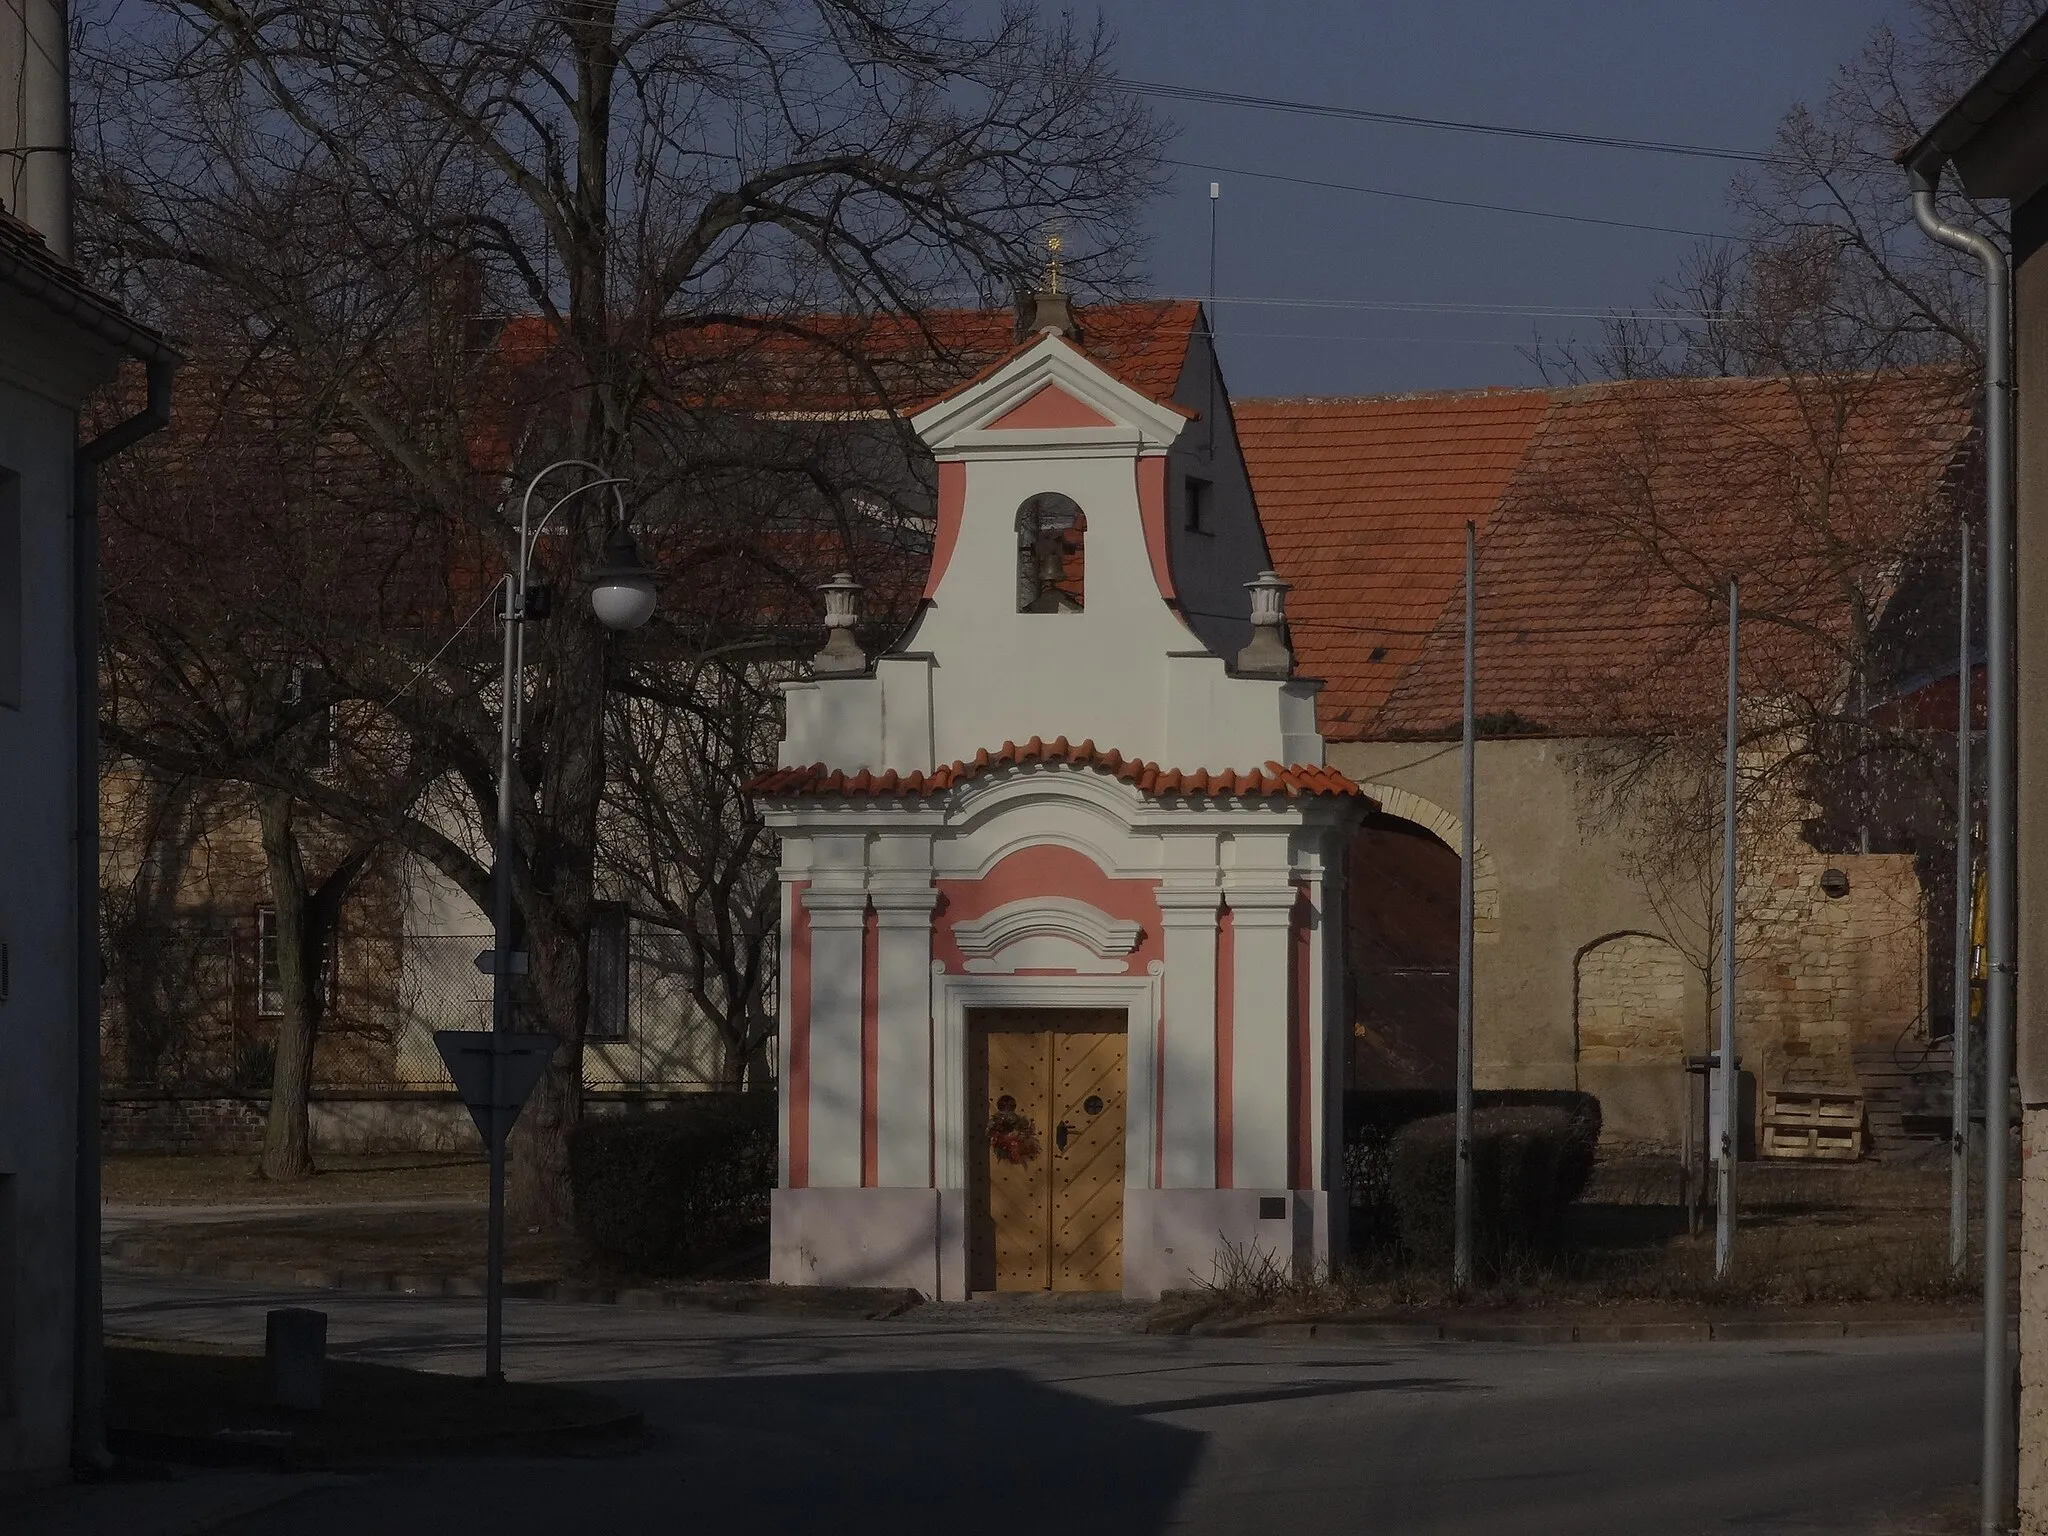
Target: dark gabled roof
28	266
1997	133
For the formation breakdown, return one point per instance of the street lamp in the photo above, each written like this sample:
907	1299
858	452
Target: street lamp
622	597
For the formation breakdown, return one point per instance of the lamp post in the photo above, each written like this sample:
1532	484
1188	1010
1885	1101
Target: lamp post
622	597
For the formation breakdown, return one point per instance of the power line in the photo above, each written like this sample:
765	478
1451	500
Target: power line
1446	202
1166	92
1512	311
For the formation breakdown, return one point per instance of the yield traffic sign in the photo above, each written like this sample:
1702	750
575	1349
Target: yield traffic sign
521	1058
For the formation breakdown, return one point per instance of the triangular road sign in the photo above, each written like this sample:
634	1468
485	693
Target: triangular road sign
522	1057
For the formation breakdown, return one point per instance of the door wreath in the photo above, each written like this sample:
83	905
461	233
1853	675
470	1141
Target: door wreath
1012	1136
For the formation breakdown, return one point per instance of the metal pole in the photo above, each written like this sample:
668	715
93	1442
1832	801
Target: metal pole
2000	830
1731	1095
1461	1261
510	701
1959	1041
501	965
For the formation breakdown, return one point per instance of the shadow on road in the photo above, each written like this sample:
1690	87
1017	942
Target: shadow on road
884	1452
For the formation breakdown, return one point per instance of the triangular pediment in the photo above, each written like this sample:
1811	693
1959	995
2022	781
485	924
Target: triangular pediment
1051	406
1051	392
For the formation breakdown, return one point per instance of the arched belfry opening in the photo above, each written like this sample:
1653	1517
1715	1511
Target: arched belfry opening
1402	957
1051	538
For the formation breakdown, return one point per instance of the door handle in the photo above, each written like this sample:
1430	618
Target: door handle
1059	1135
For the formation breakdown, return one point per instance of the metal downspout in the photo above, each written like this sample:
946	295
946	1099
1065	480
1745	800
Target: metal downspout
88	1373
2000	832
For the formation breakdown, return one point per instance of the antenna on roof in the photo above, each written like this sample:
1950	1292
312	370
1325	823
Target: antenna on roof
1215	196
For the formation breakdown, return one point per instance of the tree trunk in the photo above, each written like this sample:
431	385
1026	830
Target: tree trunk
556	898
287	1134
537	1191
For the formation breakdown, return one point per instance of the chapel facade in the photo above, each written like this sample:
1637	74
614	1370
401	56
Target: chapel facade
1062	871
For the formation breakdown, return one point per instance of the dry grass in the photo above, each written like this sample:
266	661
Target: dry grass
219	1179
1809	1237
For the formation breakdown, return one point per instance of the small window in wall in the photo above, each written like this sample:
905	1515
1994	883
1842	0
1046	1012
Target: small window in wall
10	590
270	976
610	973
1051	544
315	737
1200	512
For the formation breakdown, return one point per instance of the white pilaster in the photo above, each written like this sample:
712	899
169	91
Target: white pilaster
1187	1102
837	903
1261	954
903	898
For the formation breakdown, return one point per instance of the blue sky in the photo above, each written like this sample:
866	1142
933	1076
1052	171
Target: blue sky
1717	72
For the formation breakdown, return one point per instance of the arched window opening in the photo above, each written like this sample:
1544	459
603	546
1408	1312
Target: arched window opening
1051	534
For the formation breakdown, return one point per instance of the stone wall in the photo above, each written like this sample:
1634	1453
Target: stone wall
1819	975
1631	1002
1571	987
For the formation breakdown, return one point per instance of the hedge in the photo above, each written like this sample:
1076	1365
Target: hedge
1524	1174
665	1191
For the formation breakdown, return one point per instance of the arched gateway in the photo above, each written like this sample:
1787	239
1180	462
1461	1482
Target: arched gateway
1062	1003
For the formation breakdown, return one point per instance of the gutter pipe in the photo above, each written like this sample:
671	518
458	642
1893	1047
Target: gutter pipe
2000	840
89	1452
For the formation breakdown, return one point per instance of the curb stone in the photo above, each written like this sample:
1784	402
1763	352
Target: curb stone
139	1255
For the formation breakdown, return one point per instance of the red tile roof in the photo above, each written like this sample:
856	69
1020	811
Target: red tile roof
1609	516
847	363
1150	778
1364	503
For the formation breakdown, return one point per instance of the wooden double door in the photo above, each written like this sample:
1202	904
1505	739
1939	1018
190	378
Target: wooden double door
1050	1092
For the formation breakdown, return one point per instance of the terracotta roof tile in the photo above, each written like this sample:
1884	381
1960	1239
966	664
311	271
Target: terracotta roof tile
1364	503
1602	568
1274	779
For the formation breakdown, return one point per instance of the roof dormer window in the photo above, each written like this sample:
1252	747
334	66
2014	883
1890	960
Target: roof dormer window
1051	533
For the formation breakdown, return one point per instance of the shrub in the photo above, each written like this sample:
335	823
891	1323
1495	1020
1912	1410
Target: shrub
1374	1118
1524	1173
667	1190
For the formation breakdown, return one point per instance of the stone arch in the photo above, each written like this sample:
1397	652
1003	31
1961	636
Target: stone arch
1629	991
1406	805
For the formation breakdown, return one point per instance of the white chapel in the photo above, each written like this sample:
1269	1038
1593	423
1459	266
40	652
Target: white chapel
1061	879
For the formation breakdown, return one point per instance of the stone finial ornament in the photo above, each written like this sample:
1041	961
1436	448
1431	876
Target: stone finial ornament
842	653
1267	655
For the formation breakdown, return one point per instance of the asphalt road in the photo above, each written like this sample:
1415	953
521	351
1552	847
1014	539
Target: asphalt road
985	1420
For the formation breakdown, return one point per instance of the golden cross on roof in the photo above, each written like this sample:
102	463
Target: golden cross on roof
1052	263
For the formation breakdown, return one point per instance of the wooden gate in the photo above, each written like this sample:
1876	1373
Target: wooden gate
1048	1150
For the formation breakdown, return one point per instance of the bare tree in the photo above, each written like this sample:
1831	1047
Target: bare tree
660	192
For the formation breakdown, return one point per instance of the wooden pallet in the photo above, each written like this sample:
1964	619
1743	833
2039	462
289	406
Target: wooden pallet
1813	1123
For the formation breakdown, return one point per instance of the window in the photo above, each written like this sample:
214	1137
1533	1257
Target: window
10	590
315	738
610	973
270	976
1198	496
1051	538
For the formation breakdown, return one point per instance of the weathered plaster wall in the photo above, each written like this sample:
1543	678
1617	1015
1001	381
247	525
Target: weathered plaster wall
1817	976
1574	982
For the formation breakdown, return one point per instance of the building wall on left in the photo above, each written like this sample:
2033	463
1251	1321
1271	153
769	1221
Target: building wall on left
38	1013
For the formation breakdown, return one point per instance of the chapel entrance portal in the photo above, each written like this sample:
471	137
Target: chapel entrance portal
1050	1088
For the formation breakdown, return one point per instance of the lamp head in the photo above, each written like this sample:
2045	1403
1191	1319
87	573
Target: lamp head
622	588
